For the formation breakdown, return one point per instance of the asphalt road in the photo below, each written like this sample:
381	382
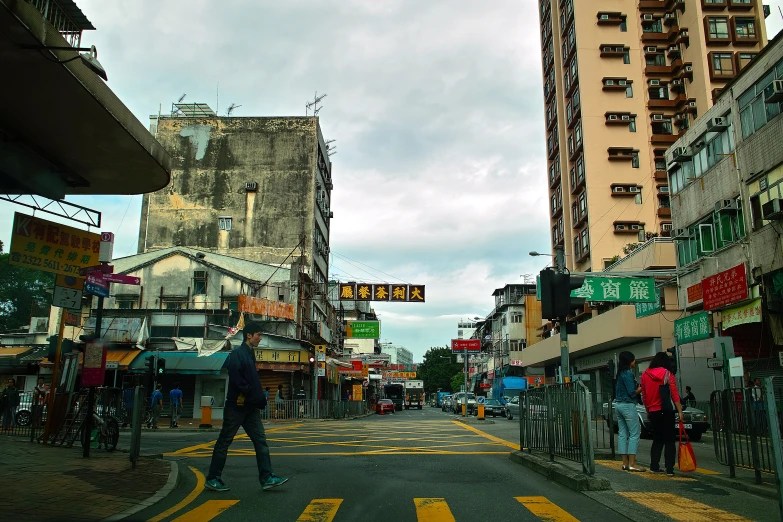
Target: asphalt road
413	465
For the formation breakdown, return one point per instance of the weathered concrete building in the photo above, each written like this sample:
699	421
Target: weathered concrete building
254	188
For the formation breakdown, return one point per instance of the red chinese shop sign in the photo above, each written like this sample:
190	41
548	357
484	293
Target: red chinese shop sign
724	288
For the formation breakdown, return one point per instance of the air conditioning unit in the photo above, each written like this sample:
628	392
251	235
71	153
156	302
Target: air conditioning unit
689	68
726	205
663	189
618	189
772	209
604	17
636	227
681	153
317	185
666	227
777	92
651	49
608	82
654	83
648	18
626	117
676	82
619	227
634	189
606	49
670	16
622	82
680	233
692	103
331	215
251	186
716	124
657	117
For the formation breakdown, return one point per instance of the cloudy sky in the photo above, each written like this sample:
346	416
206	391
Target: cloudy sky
437	112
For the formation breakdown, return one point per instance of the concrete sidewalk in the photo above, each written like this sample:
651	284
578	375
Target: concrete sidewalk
53	484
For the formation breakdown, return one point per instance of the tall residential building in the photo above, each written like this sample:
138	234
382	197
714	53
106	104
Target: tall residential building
623	79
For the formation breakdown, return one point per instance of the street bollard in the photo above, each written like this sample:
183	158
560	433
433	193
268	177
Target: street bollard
481	411
206	411
464	410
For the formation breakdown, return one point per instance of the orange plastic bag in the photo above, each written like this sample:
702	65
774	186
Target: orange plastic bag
686	459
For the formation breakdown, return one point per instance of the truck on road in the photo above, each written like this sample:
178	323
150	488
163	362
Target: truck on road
414	394
396	393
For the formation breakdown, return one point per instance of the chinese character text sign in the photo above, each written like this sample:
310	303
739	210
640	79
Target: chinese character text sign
51	247
692	328
462	345
623	290
723	288
645	309
363	330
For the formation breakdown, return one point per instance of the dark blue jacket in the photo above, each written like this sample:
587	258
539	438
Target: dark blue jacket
243	378
626	387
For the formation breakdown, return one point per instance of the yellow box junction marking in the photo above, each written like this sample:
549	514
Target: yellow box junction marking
200	479
206	511
432	510
680	508
546	510
488	436
320	510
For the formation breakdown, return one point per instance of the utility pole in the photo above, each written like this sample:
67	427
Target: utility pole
564	363
465	398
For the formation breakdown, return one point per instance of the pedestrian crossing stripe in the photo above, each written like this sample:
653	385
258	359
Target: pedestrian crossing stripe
432	510
206	511
681	508
320	510
544	509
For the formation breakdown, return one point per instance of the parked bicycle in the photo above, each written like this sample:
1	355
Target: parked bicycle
107	432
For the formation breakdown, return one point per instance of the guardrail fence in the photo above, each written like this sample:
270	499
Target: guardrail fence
558	420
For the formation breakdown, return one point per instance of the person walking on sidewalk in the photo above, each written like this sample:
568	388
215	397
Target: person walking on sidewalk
279	402
244	400
175	395
41	394
157	405
9	400
626	394
660	395
689	397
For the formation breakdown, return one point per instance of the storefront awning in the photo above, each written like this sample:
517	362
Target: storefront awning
122	357
14	351
184	363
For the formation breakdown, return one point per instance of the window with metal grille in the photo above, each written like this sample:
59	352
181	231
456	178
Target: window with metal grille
200	282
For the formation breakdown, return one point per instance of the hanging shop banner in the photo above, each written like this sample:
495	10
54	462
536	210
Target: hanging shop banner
259	306
747	313
694	293
622	290
399	375
725	288
51	247
645	309
465	346
693	328
363	330
381	292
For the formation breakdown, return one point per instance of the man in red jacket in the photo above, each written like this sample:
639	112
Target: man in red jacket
660	411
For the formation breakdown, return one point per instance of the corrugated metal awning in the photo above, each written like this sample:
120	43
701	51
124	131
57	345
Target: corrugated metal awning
185	363
123	357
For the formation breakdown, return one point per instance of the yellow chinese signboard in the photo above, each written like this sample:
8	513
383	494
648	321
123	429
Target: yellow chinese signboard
381	292
51	247
399	375
747	313
282	356
357	392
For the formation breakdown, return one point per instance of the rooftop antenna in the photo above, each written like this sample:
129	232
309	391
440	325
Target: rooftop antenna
330	149
314	104
181	98
231	108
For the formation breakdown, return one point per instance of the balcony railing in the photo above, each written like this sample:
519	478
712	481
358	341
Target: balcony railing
58	17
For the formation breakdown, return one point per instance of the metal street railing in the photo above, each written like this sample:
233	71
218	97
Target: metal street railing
557	420
313	409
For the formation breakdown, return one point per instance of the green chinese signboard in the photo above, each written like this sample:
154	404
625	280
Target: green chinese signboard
645	309
363	330
617	289
692	328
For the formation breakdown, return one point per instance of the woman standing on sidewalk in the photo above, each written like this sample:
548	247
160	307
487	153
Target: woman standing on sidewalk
659	391
626	392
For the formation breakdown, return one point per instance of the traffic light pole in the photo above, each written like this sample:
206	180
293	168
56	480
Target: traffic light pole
55	375
564	362
91	393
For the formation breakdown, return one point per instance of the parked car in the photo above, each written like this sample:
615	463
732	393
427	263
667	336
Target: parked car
446	403
512	407
458	398
383	406
695	420
493	408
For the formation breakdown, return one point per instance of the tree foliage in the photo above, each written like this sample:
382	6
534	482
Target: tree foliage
20	287
458	381
438	369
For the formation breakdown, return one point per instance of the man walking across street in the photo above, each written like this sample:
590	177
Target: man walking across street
244	400
175	395
157	405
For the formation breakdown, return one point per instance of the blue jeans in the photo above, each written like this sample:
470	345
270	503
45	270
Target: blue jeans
630	430
250	420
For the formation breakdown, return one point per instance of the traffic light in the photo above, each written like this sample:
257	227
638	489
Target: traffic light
149	363
161	366
672	359
556	300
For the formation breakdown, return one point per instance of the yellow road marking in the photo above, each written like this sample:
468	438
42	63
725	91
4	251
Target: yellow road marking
206	511
680	508
210	444
704	471
200	479
546	510
488	436
618	465
320	510
432	510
